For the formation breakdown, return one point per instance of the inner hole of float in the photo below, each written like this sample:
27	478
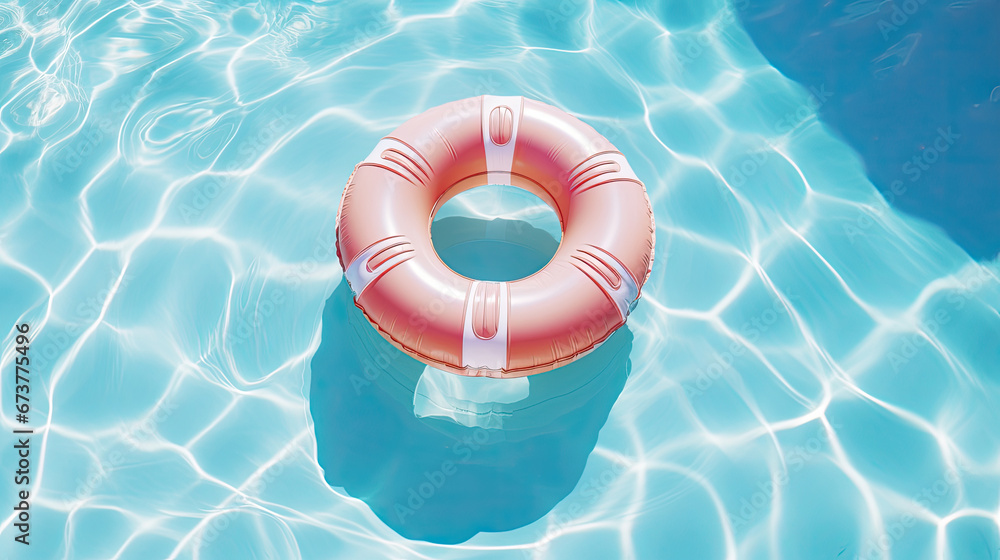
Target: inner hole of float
496	233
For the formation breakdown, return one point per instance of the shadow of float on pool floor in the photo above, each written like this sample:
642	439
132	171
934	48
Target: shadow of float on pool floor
436	480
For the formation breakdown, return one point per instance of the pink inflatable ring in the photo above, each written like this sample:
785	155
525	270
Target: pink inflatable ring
495	329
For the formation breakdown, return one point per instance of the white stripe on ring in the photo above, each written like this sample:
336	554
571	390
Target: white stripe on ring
484	332
390	252
501	117
610	275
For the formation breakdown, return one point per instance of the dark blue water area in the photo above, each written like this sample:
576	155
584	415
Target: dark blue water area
915	89
432	478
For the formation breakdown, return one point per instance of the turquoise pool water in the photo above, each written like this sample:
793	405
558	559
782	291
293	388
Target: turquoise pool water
808	375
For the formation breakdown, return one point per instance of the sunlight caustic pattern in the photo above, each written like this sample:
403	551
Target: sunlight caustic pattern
813	374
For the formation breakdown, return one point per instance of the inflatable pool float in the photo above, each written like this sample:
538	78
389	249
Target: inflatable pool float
495	329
